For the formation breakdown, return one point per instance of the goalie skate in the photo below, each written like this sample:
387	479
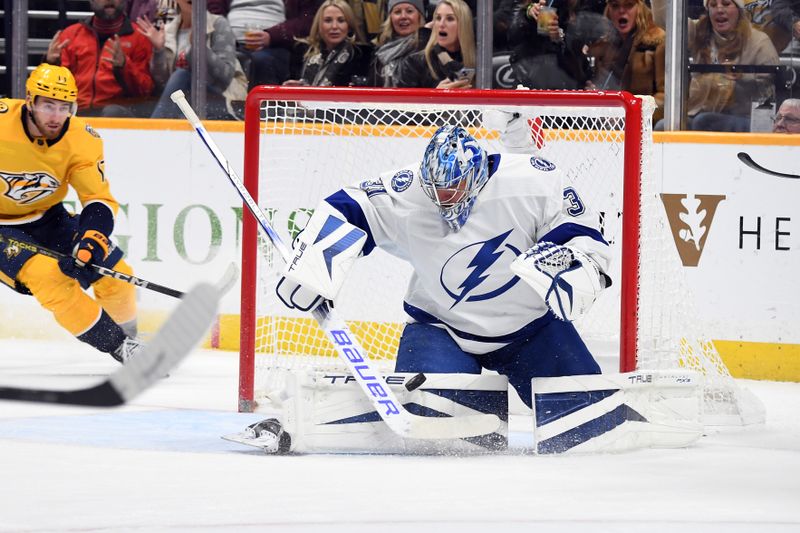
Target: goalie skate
267	434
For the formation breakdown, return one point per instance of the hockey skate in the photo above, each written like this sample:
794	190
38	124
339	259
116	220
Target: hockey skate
267	435
128	349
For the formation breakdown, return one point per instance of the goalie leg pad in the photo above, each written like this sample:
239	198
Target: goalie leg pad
616	412
326	412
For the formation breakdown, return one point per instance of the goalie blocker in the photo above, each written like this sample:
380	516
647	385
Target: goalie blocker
323	254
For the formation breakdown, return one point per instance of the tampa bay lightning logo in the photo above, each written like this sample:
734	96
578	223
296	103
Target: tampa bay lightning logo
542	164
469	274
402	180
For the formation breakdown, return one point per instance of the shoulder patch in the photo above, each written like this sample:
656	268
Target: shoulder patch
402	180
92	132
542	164
3	107
372	187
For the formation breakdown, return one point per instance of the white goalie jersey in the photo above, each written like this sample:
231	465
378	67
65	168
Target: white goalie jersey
462	280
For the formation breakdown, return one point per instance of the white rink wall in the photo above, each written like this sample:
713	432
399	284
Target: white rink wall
181	223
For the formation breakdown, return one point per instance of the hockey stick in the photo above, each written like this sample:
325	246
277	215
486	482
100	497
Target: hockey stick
103	271
177	337
745	158
347	346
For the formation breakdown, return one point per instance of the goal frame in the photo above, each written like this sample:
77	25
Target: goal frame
631	193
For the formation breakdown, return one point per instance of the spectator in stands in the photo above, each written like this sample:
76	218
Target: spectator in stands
724	36
270	59
171	64
633	57
773	17
402	34
788	11
787	120
249	21
448	60
694	10
369	15
503	14
149	9
332	57
109	58
555	59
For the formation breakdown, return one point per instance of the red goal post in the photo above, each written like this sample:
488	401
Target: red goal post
294	134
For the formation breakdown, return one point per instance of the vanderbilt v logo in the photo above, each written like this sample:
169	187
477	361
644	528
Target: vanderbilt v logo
690	218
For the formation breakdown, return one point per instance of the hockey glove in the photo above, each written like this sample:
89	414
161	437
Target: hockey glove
567	280
91	248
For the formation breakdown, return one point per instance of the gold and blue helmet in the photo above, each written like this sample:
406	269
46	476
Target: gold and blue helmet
54	82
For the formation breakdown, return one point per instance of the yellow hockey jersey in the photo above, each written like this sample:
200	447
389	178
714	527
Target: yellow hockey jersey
35	173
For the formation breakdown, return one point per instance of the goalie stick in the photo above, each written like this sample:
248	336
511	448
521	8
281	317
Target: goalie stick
177	337
103	271
745	158
347	346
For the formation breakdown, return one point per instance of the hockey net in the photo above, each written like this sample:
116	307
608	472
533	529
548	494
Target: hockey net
302	144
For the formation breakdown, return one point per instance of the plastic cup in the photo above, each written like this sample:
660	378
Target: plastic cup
251	30
546	14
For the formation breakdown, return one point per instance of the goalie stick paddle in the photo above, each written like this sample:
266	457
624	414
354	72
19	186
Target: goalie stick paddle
347	346
745	158
103	271
176	338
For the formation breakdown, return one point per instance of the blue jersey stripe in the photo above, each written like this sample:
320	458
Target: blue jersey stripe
564	233
347	206
525	331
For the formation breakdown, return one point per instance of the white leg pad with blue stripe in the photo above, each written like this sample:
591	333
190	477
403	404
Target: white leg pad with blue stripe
616	412
327	412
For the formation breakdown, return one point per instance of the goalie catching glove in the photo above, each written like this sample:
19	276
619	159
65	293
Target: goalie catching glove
323	254
567	279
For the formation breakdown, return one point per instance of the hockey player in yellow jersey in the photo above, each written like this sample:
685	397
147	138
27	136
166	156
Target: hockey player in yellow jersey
44	150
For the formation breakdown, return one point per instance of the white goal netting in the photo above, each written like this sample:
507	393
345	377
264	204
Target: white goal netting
308	149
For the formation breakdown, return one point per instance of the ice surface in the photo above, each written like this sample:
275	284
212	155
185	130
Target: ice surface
159	464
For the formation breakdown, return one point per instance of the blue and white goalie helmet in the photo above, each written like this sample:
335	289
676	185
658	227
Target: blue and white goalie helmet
453	171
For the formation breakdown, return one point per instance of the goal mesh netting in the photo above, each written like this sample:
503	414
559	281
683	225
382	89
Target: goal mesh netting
303	144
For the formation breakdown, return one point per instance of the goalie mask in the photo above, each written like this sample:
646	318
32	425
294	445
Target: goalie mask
453	171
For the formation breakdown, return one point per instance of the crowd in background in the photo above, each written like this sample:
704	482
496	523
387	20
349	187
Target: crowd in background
131	54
